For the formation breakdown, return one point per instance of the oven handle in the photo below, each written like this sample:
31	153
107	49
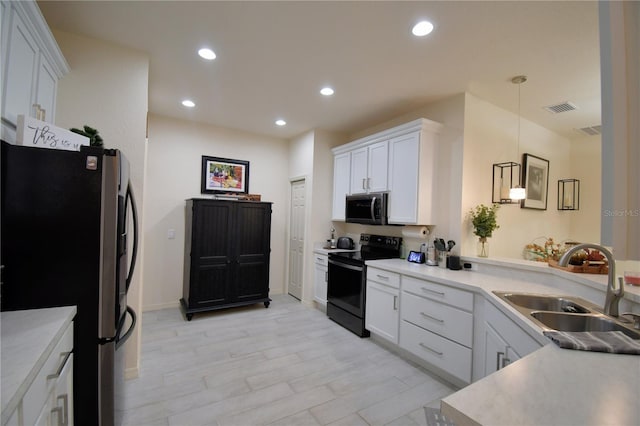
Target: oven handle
343	265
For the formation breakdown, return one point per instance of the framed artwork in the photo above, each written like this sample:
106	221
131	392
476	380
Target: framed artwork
536	182
224	175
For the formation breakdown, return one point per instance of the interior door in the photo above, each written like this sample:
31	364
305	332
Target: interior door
296	238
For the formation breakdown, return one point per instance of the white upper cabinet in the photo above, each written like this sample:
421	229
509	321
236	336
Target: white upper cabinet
32	64
412	176
400	161
369	167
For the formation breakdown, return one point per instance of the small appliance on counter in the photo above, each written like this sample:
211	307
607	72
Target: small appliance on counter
345	243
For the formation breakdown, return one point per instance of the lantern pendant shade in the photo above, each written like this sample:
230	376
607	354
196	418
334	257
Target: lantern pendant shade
506	179
568	194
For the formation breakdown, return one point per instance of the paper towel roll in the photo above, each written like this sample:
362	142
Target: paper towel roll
417	232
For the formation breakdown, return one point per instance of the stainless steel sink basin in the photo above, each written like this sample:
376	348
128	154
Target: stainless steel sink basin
575	322
545	303
565	313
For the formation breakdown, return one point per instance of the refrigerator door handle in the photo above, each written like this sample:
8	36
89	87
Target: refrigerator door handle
120	340
134	250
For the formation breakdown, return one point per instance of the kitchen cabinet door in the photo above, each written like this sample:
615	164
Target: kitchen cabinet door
320	276
404	180
21	68
359	170
377	167
341	184
32	65
369	166
382	310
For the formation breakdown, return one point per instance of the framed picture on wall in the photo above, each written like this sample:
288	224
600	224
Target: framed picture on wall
535	181
224	175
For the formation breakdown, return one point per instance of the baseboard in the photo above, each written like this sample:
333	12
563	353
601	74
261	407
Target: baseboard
159	306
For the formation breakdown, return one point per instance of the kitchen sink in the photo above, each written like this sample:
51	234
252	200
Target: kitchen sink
564	313
545	303
571	322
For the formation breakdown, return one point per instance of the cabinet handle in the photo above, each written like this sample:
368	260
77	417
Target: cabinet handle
499	363
395	303
505	361
326	277
364	186
422	345
65	409
61	366
368	183
441	321
58	412
382	277
428	290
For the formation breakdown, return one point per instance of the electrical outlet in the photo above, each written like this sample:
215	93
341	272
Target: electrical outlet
171	234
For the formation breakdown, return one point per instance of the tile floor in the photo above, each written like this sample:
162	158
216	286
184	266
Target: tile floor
285	365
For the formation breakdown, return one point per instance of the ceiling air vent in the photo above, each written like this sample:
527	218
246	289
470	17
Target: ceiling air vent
561	107
591	131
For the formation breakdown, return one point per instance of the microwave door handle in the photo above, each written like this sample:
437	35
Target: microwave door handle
373	208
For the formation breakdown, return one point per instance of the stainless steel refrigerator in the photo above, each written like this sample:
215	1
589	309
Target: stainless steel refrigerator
65	242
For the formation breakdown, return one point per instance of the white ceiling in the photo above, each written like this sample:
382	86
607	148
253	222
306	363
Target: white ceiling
274	57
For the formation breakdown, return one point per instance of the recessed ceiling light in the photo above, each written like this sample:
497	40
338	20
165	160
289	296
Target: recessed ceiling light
207	54
422	28
326	91
281	122
188	103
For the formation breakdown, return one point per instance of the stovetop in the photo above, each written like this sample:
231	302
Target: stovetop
372	247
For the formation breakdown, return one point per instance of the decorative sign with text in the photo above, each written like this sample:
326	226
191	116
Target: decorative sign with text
32	132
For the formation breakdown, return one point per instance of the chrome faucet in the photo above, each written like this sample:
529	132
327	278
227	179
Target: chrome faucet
613	295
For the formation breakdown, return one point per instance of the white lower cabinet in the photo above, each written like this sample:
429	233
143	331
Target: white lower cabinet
449	356
504	341
49	399
382	313
320	278
437	325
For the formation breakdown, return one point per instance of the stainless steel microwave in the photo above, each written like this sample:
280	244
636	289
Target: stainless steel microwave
369	209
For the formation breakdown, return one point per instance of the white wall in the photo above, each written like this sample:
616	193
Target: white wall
586	165
310	158
173	175
491	136
107	89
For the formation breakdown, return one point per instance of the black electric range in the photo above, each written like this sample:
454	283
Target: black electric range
346	288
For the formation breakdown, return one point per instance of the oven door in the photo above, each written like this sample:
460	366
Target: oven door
346	287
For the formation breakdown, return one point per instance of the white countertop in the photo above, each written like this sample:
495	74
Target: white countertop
326	251
550	386
27	339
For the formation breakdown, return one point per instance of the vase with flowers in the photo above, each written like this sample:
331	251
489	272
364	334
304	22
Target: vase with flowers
484	220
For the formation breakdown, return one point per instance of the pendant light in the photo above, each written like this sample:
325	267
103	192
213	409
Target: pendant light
517	192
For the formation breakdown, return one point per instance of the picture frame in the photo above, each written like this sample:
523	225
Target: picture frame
224	176
535	180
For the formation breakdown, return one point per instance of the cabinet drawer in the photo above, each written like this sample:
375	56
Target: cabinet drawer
441	319
441	293
320	259
391	279
451	357
47	377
